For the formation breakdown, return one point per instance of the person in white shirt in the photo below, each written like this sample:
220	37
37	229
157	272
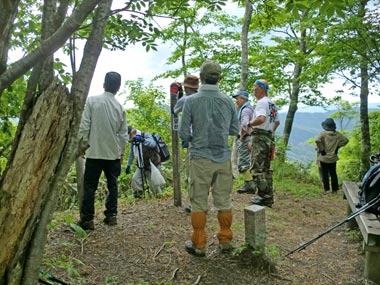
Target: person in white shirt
103	129
264	123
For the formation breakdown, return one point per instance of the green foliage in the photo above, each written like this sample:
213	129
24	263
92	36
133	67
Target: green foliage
350	155
288	55
272	251
327	8
296	178
198	35
68	197
241	248
27	26
345	113
355	235
79	232
354	43
68	263
150	112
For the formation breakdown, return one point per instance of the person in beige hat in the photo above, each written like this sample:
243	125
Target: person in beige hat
191	85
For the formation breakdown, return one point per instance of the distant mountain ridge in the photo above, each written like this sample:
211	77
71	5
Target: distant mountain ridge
307	125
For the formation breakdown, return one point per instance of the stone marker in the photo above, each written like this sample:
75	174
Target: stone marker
254	220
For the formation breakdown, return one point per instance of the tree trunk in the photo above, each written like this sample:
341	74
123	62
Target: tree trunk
25	195
244	44
293	104
79	167
52	126
244	73
294	96
8	12
364	121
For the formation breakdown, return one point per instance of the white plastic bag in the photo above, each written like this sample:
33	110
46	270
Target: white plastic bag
155	175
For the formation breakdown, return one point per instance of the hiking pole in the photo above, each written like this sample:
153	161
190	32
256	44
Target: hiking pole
351	216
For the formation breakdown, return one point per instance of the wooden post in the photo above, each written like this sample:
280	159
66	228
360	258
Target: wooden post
175	94
372	257
351	224
254	220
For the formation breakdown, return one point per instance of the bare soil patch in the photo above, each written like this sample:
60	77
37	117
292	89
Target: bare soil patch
147	246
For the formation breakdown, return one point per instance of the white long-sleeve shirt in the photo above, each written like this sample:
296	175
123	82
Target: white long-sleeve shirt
104	127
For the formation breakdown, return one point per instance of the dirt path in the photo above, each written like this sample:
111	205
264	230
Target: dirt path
147	246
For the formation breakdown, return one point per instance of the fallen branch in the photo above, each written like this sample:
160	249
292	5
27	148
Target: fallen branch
173	275
330	278
198	280
158	251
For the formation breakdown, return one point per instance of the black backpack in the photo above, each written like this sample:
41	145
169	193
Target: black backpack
370	188
163	149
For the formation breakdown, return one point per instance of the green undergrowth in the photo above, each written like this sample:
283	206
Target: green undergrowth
296	179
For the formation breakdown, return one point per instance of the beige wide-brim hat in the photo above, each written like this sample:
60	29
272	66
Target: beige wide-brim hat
191	81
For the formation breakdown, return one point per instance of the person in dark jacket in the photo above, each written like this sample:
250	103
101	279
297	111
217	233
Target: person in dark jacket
328	143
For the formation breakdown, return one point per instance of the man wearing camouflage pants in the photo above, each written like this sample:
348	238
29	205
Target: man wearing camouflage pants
264	123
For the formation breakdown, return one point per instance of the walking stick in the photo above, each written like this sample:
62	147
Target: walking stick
350	217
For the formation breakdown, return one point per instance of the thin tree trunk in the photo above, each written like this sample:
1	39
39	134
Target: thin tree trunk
244	73
8	12
79	168
244	44
294	96
364	121
293	104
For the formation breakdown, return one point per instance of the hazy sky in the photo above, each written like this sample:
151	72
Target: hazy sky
135	62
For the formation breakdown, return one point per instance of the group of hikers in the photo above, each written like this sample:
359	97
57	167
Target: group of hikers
208	118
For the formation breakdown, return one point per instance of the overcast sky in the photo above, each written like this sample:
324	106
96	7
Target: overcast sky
135	63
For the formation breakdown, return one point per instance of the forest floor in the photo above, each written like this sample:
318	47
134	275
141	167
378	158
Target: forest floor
147	246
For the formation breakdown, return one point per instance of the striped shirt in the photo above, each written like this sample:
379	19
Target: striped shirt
208	118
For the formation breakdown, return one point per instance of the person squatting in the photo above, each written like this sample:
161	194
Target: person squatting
143	147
